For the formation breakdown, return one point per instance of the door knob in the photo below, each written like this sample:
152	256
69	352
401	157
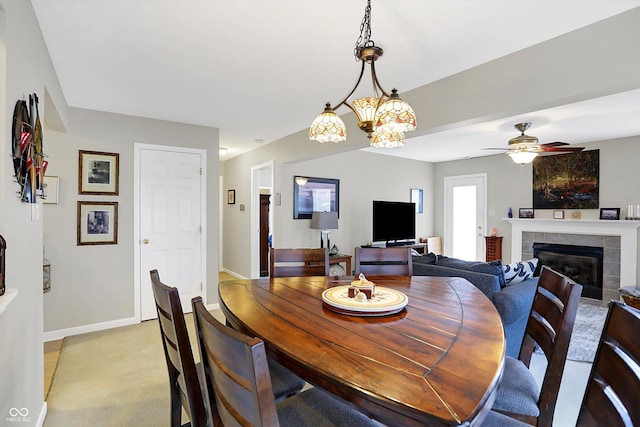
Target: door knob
145	241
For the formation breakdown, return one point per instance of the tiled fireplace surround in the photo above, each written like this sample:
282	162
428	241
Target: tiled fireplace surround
619	239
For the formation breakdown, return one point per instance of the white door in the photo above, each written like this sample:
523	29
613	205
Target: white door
465	216
171	223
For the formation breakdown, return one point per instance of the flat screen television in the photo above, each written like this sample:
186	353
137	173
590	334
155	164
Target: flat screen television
393	221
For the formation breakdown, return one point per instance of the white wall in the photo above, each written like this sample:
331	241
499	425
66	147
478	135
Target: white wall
25	68
510	185
363	177
95	284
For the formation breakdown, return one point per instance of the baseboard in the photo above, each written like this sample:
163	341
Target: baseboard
42	416
234	274
61	333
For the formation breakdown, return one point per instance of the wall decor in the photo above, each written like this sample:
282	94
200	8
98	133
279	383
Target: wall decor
29	164
610	213
567	181
525	213
231	197
98	173
558	214
97	223
417	197
50	188
315	194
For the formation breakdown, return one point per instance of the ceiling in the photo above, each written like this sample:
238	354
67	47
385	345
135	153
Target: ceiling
260	70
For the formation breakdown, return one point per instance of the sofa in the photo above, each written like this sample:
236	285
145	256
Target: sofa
511	293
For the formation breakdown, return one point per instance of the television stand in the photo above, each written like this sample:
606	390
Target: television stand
393	243
421	248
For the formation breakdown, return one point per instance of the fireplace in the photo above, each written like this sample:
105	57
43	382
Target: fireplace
582	264
619	240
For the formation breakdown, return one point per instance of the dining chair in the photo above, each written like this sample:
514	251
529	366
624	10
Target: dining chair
395	261
298	262
237	370
549	326
184	381
611	397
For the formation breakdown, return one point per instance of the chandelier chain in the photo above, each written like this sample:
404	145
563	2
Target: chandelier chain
364	39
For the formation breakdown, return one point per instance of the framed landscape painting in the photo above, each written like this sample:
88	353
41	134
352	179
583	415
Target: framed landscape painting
567	181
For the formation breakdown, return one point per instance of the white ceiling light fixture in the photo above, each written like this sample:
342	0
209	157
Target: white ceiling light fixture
522	157
383	117
222	151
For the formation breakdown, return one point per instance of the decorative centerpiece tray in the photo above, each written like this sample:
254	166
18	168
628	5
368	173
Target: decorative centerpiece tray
385	301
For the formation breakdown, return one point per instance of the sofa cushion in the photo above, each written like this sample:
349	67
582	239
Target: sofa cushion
493	267
428	258
519	271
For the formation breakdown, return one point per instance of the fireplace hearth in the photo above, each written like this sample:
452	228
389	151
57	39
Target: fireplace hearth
582	264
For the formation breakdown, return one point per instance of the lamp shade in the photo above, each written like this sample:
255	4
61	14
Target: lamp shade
324	220
522	157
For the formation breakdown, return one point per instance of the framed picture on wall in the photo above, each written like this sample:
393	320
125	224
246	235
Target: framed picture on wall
50	187
231	197
97	223
98	173
417	197
315	194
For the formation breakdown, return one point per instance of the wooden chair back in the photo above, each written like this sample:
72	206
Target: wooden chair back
298	262
394	261
238	371
613	390
183	376
550	325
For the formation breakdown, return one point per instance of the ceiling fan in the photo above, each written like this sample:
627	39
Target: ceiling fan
524	148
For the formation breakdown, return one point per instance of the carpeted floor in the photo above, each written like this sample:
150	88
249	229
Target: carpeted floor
100	381
586	330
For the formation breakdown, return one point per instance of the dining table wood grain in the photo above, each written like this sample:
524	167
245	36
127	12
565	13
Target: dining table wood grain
437	362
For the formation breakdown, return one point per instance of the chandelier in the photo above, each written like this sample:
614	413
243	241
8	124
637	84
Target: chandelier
384	117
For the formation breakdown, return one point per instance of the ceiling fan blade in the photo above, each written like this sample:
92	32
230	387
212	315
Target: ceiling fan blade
554	144
562	149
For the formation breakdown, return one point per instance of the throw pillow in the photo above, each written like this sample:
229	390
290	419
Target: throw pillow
519	271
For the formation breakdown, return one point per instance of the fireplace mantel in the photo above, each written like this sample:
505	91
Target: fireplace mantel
627	230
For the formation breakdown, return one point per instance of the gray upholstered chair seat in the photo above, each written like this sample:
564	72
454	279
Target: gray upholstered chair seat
284	382
315	407
496	419
518	391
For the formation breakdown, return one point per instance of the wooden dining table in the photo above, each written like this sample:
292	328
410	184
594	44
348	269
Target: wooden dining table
436	362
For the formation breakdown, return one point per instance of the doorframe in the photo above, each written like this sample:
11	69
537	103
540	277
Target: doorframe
137	150
255	213
447	248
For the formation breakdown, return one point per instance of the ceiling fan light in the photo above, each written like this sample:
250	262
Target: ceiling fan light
396	114
328	127
522	157
385	138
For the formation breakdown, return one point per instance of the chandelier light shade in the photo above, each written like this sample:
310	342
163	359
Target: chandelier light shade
328	127
375	112
523	157
387	138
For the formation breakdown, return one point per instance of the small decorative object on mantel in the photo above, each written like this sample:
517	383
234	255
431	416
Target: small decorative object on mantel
575	215
610	213
558	214
525	213
631	295
3	247
633	212
510	213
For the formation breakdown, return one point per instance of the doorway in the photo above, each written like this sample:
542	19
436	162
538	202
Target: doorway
169	222
262	177
465	216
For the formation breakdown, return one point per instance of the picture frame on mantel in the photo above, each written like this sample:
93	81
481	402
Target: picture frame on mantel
525	213
610	213
98	173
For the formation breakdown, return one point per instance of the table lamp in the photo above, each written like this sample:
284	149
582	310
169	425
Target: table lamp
324	221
